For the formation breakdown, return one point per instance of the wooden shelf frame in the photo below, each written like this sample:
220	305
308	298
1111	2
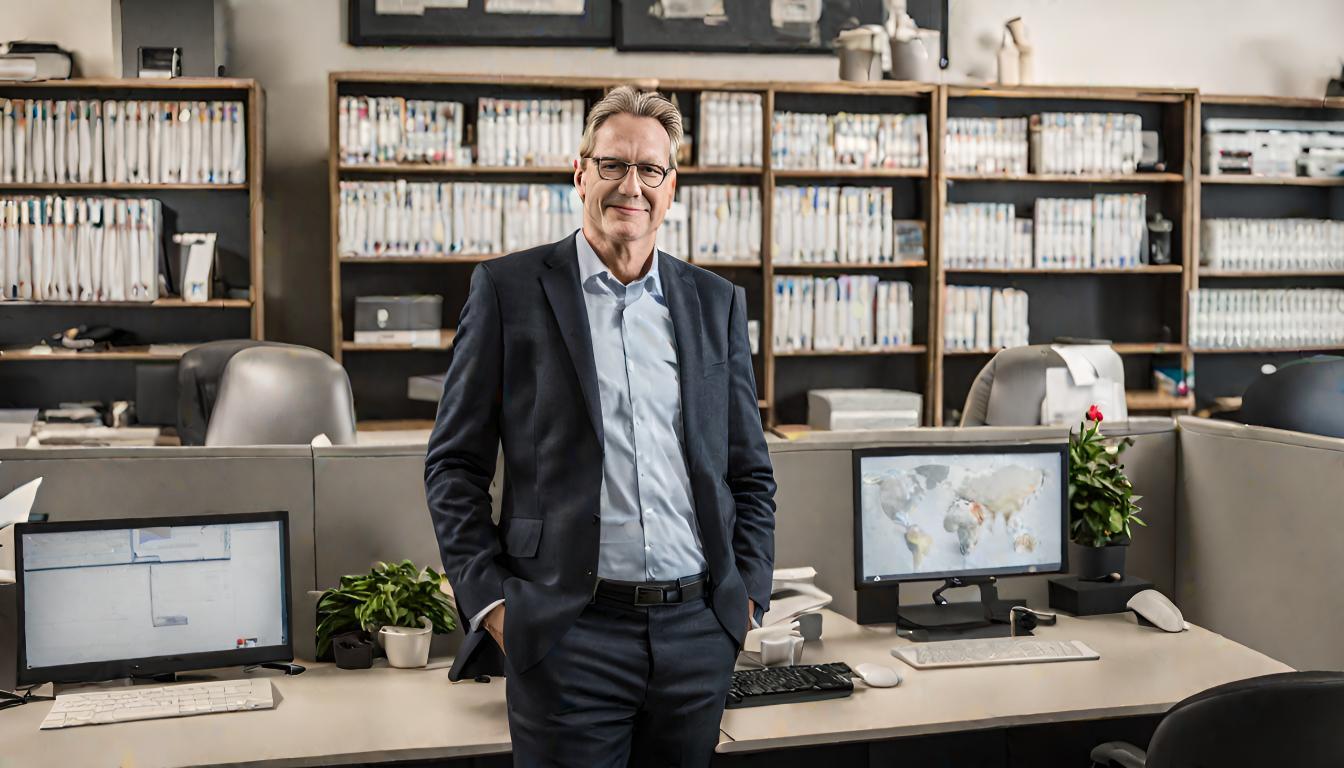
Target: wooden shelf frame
252	96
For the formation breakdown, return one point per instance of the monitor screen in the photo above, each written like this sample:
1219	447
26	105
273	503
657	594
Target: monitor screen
104	599
925	513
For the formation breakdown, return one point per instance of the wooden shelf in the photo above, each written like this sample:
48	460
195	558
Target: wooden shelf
1269	350
762	405
1145	269
406	169
720	170
1150	400
116	186
1147	348
445	342
727	264
393	425
140	84
1072	92
474	258
1072	178
157	304
916	349
1272	181
852	173
806	267
969	352
123	354
1230	273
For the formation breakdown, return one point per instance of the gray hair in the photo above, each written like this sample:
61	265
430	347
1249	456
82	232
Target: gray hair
626	100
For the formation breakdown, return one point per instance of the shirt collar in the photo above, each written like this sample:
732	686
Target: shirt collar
591	264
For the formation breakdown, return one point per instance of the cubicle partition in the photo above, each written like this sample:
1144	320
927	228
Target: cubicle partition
814	517
102	483
1260	539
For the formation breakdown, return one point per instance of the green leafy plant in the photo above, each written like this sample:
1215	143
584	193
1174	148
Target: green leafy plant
1101	498
389	595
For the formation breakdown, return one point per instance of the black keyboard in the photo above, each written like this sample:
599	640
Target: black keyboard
786	685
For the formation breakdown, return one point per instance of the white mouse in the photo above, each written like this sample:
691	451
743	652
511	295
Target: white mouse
1154	607
878	675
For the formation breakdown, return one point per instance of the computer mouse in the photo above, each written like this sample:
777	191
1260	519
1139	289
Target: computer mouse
1154	607
878	675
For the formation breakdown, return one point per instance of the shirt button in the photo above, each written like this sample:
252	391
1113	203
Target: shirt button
648	548
648	511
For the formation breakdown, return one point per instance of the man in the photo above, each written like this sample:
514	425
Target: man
636	537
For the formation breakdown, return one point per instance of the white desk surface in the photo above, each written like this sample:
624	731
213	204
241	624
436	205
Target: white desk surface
1142	671
330	716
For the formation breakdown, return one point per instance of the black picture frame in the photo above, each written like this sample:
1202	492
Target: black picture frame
747	28
473	26
888	581
150	666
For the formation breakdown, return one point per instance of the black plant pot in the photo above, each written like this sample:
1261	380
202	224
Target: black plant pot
353	650
1097	562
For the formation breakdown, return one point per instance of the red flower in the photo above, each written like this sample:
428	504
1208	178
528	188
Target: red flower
1094	414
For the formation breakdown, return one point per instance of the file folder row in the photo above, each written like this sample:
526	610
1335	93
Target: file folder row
385	129
1267	245
801	140
841	225
44	141
528	132
87	249
1107	231
986	236
982	318
986	145
1086	142
731	126
454	218
847	312
711	222
1278	318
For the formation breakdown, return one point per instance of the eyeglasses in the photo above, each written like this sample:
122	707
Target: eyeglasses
615	169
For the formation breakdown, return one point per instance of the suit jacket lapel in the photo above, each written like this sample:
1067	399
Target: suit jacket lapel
561	284
683	303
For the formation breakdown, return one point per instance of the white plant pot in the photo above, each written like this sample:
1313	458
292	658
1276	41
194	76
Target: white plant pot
407	647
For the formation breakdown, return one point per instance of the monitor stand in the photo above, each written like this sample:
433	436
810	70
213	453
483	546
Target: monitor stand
941	619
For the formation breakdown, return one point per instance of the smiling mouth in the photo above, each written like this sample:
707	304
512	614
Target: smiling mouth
626	208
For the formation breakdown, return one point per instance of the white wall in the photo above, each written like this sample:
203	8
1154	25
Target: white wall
1223	46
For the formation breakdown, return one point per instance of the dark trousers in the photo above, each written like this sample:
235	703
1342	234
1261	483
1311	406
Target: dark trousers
625	686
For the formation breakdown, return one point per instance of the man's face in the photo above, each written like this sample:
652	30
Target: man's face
626	209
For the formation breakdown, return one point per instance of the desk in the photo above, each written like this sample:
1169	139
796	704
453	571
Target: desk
1142	671
329	716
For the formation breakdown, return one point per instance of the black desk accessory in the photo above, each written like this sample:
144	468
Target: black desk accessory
1091	598
942	619
787	685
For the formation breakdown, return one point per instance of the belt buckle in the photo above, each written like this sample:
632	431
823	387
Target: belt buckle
655	592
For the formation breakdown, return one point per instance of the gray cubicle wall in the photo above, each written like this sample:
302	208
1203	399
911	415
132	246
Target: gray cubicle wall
814	517
1260	539
100	483
371	508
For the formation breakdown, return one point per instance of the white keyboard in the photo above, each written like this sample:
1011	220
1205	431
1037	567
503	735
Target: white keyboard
985	652
121	704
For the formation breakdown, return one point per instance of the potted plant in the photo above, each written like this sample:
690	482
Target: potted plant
1101	500
411	603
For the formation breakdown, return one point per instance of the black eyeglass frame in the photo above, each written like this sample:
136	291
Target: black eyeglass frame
597	161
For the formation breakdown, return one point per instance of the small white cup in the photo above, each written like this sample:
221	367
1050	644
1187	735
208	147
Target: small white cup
407	647
781	650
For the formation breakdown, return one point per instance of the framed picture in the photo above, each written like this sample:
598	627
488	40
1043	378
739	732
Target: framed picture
480	22
738	26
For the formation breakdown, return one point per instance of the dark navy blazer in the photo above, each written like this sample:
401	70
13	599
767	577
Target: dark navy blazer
522	375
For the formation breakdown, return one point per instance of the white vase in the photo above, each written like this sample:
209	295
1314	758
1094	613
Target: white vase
407	647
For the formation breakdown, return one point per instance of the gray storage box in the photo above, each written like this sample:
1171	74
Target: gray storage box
836	409
398	319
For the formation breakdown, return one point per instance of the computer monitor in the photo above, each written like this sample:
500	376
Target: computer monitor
107	599
962	514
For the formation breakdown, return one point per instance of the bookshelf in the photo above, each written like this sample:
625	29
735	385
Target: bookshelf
158	331
1223	372
1141	308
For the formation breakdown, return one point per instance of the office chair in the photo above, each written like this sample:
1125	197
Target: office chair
282	395
1304	396
1009	390
198	375
1286	719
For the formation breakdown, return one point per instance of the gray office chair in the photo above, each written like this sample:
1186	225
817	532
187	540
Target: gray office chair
1289	719
1303	396
282	395
1010	388
198	375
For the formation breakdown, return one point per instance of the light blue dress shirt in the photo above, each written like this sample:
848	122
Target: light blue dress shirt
648	531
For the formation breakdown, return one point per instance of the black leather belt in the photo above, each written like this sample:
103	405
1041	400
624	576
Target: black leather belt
646	593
